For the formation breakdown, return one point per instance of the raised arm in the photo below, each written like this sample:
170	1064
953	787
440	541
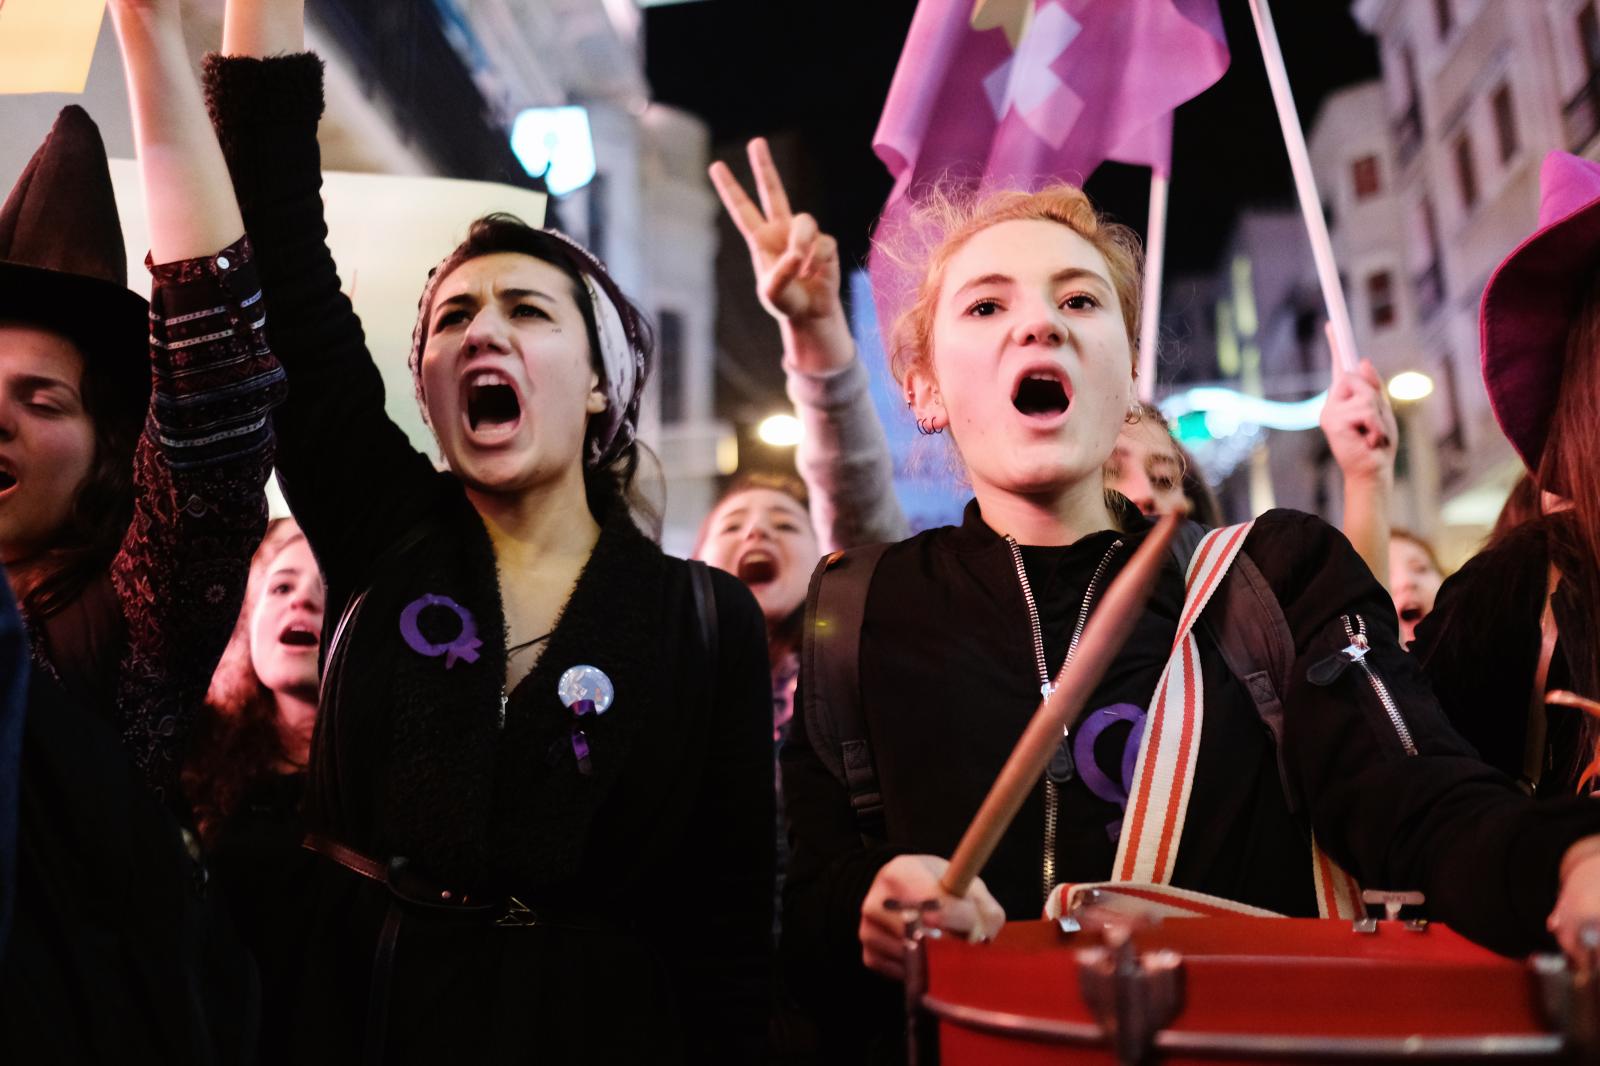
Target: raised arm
187	196
202	461
843	455
1361	432
351	476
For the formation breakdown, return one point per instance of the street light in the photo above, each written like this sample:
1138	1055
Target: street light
780	431
554	143
1409	386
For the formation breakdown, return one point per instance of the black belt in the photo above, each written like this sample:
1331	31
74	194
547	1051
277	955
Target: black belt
409	891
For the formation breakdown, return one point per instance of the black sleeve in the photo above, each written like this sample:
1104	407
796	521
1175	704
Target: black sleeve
830	871
352	478
1395	795
726	948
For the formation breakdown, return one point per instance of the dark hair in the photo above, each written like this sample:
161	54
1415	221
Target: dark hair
88	540
236	740
1567	467
502	232
1522	505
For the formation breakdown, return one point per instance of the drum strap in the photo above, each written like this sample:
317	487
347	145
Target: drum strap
1148	901
1163	775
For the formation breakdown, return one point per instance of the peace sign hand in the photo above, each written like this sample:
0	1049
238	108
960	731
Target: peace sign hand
796	265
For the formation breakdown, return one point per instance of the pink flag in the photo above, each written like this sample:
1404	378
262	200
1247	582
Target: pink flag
1011	92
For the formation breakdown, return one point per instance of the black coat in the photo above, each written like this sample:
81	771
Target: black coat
1480	648
652	875
948	682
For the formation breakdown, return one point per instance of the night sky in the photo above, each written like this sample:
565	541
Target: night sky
813	74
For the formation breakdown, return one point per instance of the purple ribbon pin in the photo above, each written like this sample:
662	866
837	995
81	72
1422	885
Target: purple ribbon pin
464	646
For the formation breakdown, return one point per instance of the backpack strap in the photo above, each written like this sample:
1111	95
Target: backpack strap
830	660
705	609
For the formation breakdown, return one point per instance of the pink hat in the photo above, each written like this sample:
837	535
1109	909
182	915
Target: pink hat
1531	300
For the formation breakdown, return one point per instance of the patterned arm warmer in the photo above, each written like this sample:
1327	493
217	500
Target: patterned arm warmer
200	507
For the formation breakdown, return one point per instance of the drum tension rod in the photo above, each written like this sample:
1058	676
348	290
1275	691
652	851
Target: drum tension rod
1393	903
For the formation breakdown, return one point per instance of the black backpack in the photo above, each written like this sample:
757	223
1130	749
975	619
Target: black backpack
1243	620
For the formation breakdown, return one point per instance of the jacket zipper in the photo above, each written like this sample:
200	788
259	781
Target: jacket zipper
1052	796
1357	653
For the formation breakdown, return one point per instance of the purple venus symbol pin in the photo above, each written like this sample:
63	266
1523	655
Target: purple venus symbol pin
466	643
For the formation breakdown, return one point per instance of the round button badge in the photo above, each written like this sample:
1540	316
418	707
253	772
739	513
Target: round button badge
586	683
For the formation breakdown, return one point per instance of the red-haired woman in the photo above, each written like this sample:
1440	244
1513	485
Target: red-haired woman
1519	619
246	772
1020	343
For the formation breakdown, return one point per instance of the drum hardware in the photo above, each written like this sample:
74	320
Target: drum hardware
914	932
1133	995
1570	998
1071	921
1392	902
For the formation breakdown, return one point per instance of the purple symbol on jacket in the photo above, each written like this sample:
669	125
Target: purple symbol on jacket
464	646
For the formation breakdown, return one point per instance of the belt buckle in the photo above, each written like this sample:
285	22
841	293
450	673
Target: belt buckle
518	915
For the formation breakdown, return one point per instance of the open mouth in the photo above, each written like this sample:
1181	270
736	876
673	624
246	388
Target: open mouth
8	480
296	635
757	568
1411	613
1041	394
492	403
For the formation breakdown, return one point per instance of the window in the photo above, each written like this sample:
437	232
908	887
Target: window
1505	122
1364	175
669	345
1466	172
1380	299
1444	16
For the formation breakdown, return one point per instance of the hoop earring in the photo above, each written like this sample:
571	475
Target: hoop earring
926	427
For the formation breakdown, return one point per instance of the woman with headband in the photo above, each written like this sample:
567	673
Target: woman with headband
541	771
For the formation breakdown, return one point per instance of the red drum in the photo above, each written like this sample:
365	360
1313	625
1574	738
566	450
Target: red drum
1231	990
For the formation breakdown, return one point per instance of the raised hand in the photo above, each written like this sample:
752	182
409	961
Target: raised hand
1360	424
796	264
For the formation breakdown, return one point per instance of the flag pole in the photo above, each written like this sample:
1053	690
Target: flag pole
1305	184
1155	246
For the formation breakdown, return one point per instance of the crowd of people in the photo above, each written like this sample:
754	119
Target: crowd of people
458	764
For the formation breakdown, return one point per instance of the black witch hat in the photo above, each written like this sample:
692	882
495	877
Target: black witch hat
62	261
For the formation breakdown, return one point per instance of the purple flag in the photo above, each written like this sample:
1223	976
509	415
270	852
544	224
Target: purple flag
1012	92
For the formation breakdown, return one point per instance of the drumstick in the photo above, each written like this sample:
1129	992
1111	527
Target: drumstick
1571	699
1103	638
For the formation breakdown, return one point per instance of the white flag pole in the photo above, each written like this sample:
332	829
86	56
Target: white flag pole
1155	247
1305	184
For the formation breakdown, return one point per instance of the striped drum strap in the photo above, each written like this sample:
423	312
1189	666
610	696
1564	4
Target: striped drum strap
1163	776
